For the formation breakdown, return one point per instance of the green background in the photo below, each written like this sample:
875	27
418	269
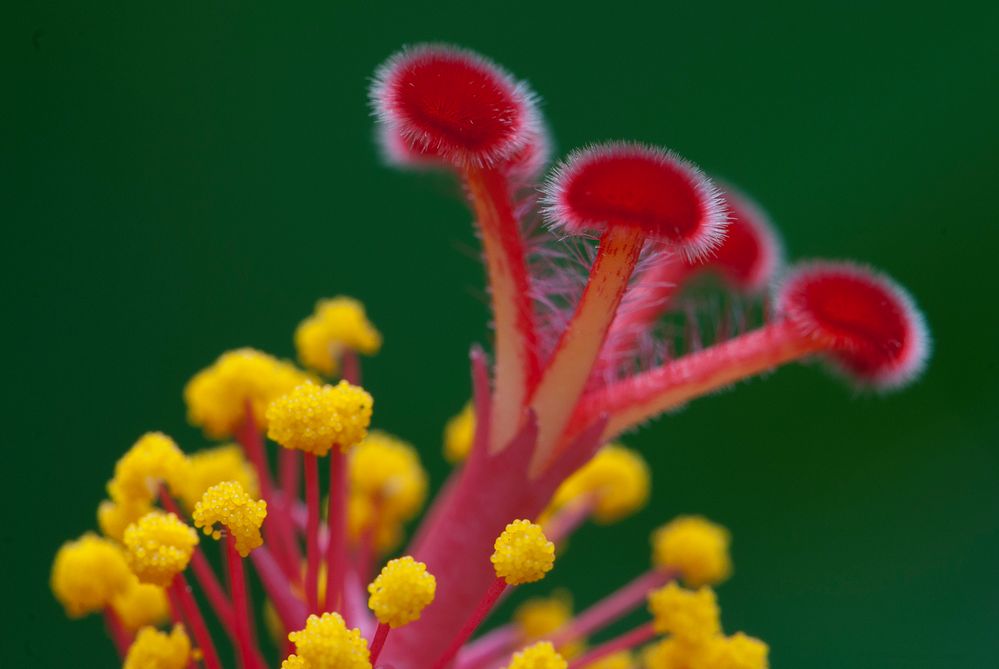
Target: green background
183	178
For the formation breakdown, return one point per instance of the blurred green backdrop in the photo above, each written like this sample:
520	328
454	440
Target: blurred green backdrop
183	178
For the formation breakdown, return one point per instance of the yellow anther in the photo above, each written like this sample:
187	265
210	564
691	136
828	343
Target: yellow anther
696	547
152	460
159	546
153	649
539	617
141	604
522	553
620	660
314	418
387	472
326	643
738	651
217	396
214	465
616	481
337	325
227	504
113	518
672	653
459	434
690	616
541	655
401	591
88	573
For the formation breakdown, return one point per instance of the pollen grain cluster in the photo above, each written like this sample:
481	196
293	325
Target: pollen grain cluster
159	546
228	505
522	553
314	418
401	591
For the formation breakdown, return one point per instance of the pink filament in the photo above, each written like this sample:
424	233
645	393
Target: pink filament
381	633
336	518
312	532
181	595
473	622
626	641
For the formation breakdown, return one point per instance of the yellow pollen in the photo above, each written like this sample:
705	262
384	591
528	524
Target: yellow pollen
388	473
522	553
141	604
153	649
152	460
738	651
337	325
620	660
113	518
690	616
159	546
696	547
459	434
314	418
401	591
541	655
673	653
227	504
616	481
541	616
214	465
88	573
218	395
326	643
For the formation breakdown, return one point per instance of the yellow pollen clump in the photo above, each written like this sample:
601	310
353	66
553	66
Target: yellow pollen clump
153	649
387	472
140	605
401	591
459	434
113	517
620	660
215	465
673	653
159	546
522	553
738	651
88	573
541	616
696	547
227	504
314	418
152	460
326	643
616	481
217	396
337	325
541	655
690	616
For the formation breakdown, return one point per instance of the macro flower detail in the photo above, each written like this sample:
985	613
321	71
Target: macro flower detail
314	418
153	649
522	553
541	655
593	279
337	326
697	548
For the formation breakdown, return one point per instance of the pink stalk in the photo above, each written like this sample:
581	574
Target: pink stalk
626	641
116	630
636	399
351	367
289	470
203	571
489	648
381	633
611	608
196	623
567	520
336	518
312	532
277	531
289	608
473	622
516	369
241	608
565	376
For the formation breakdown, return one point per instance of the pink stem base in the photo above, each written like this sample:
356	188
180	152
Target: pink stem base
381	633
